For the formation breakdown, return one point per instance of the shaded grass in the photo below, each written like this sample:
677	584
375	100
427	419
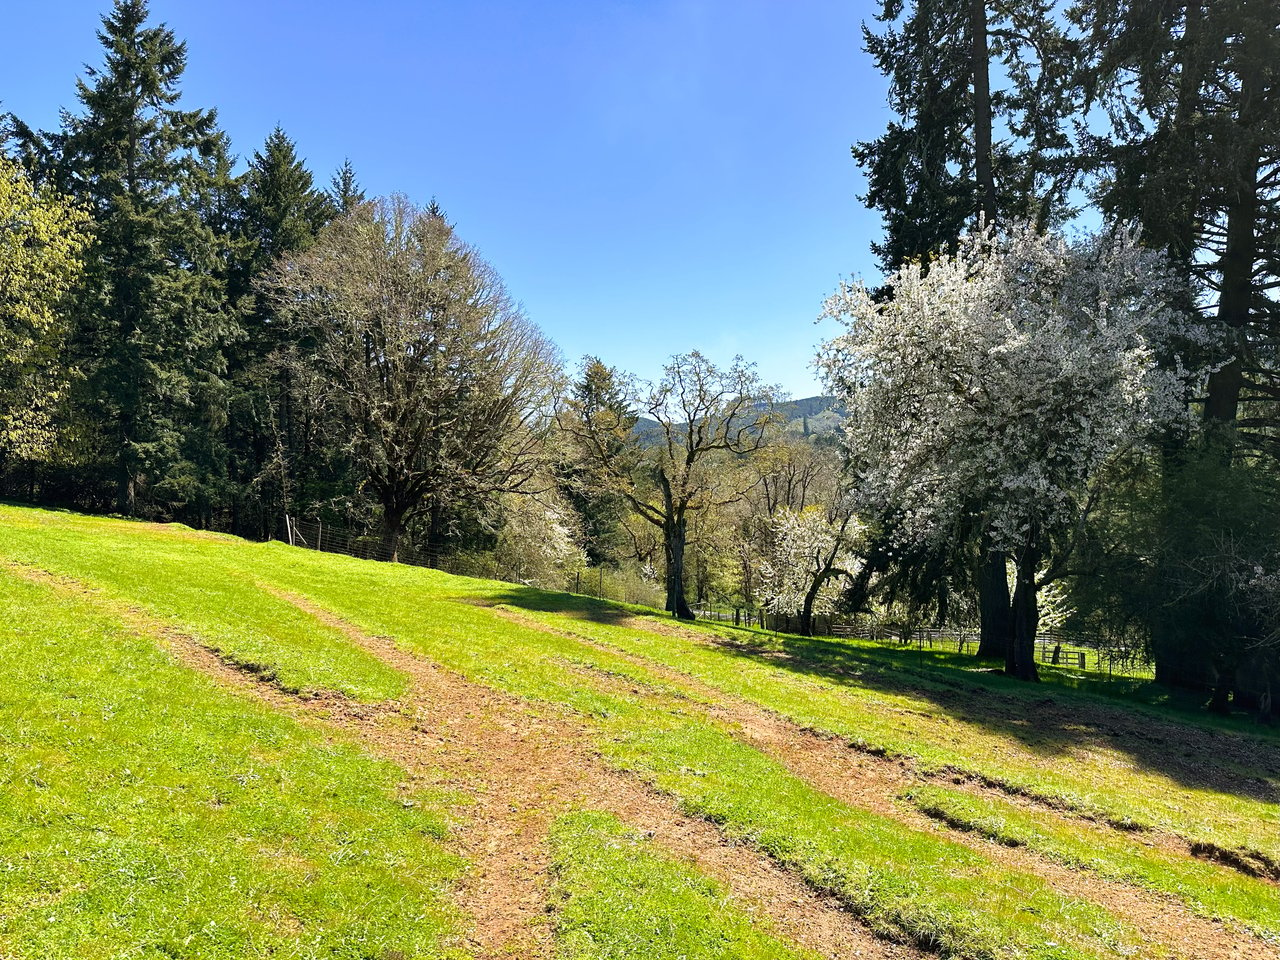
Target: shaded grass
147	813
944	728
1209	890
619	899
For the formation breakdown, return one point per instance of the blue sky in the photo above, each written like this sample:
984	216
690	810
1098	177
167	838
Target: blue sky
649	176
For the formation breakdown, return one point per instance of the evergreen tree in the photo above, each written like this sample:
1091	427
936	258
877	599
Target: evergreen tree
152	319
960	149
281	213
961	152
1194	155
344	191
599	394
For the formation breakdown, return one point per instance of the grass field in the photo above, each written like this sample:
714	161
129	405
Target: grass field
219	748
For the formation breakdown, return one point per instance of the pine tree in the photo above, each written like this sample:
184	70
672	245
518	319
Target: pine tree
344	191
280	213
959	149
152	319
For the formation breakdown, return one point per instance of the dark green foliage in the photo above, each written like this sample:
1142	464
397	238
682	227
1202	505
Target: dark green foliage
958	148
344	192
152	321
599	394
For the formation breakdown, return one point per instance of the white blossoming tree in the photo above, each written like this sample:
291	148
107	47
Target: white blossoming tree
812	550
993	391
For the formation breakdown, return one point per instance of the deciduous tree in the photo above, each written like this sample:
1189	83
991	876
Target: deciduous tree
991	395
445	385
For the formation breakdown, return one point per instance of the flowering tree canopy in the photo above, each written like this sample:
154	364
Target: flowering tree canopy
812	549
993	389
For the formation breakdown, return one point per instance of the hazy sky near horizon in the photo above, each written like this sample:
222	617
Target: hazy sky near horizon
649	176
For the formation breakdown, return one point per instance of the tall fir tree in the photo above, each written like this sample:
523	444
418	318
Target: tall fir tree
959	147
152	319
962	151
1193	154
281	213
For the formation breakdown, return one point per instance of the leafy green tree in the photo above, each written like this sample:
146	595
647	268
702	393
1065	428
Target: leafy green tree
42	241
598	395
1193	90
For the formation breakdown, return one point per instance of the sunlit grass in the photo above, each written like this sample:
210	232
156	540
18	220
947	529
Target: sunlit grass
618	898
906	882
1208	889
144	812
943	724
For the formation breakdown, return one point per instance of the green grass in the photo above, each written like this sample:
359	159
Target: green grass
620	899
182	578
144	812
906	882
1209	890
944	723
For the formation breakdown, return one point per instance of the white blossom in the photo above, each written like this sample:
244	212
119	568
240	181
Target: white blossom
997	384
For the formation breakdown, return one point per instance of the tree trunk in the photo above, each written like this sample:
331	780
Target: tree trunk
393	525
675	533
1021	659
983	173
806	611
1237	291
994	607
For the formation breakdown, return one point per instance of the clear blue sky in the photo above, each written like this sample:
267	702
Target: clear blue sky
650	176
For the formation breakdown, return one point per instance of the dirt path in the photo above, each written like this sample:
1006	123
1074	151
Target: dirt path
875	783
519	767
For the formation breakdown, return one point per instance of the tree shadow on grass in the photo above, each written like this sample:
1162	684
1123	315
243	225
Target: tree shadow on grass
1049	719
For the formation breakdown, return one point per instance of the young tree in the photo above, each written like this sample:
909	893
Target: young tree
344	192
703	418
992	396
42	242
811	550
445	385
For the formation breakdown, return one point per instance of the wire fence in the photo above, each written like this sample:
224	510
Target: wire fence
1060	648
1054	647
332	538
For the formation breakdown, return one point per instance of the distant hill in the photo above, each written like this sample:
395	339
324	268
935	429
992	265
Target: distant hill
809	416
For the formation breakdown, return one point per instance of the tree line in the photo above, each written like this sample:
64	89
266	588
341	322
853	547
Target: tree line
1036	428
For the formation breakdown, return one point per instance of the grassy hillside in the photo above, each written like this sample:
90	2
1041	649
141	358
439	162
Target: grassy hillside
219	748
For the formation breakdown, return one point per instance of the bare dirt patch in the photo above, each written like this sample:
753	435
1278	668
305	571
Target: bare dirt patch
876	783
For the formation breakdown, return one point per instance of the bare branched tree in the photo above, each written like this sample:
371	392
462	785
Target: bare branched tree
703	418
447	387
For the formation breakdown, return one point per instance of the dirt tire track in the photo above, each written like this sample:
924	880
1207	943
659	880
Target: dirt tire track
524	767
875	783
521	768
